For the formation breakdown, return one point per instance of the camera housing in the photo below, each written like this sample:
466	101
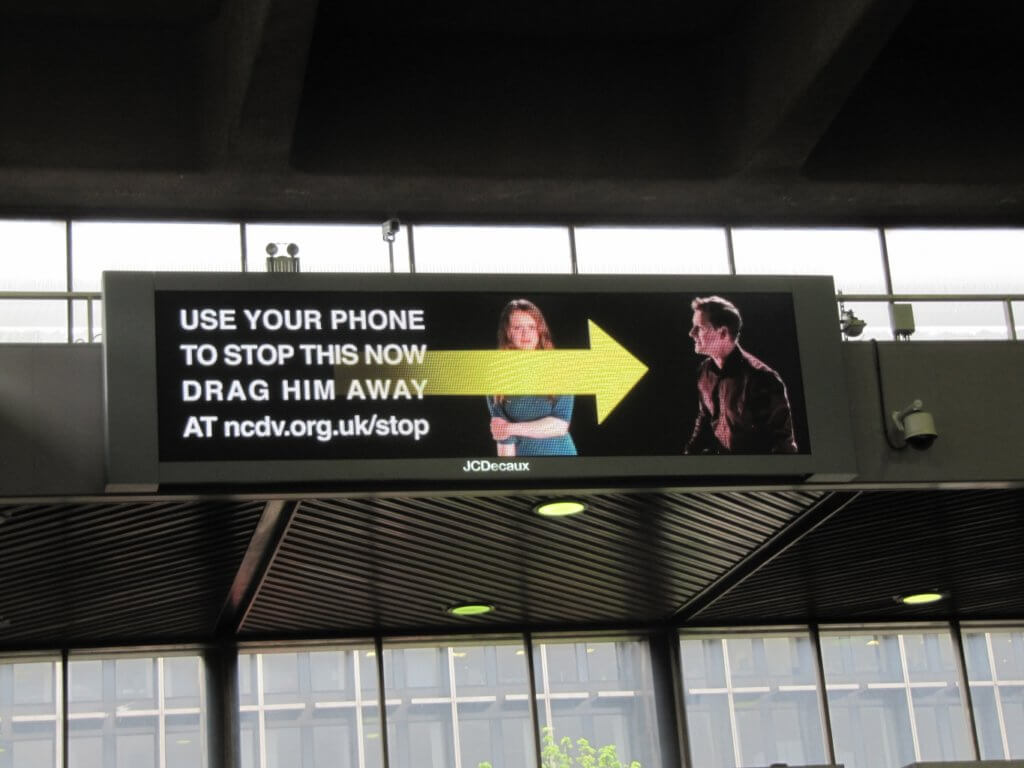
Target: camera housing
916	425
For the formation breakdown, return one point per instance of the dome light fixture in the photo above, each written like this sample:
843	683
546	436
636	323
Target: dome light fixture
560	508
469	609
921	598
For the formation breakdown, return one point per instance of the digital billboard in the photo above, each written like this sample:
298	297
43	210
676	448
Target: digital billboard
339	379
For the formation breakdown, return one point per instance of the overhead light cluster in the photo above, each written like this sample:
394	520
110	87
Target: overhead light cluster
560	508
470	609
921	598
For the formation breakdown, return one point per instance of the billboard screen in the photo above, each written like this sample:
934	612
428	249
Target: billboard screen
314	378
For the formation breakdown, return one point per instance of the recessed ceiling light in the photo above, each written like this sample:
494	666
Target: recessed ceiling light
921	598
470	609
560	508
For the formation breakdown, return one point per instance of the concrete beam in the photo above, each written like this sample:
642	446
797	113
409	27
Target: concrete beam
255	55
789	69
756	201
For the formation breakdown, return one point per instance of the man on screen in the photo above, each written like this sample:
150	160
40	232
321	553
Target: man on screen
743	406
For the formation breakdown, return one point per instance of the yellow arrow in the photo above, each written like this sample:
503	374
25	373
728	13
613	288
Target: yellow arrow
607	370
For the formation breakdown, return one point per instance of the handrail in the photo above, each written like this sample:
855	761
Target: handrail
930	297
60	295
1006	299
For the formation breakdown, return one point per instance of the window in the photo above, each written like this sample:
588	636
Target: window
945	321
957	261
30	707
312	708
852	256
35	259
150	246
458	706
33	321
651	250
751	699
127	709
894	697
35	256
995	671
492	249
599	690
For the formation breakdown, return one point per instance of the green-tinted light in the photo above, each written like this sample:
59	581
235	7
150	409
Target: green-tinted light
470	609
922	598
560	508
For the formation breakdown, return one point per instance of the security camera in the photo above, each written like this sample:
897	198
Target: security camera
915	425
390	229
851	325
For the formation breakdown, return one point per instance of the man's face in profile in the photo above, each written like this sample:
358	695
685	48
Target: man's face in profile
708	340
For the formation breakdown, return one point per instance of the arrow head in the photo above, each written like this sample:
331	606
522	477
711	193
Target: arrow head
615	371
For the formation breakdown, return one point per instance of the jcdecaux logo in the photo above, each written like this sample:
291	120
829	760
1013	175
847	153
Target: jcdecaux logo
483	465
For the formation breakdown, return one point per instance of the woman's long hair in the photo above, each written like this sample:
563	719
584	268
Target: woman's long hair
505	321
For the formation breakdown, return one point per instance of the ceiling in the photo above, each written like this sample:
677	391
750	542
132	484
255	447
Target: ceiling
162	571
774	111
742	112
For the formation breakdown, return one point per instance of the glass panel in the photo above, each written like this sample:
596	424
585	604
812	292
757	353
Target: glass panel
34	256
465	699
650	250
852	256
152	247
123	709
995	670
184	741
1018	319
309	709
82	322
29	710
974	321
956	260
762	689
326	247
893	698
24	321
597	694
492	249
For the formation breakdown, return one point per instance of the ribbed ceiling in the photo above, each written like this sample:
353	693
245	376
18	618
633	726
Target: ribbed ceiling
155	571
161	571
393	564
968	544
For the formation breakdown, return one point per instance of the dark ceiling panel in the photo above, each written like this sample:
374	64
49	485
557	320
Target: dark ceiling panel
396	564
941	103
117	572
969	544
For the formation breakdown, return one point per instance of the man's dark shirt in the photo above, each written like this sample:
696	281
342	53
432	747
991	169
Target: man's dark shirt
743	408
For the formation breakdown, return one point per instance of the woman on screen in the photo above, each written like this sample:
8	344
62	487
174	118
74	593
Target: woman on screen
529	425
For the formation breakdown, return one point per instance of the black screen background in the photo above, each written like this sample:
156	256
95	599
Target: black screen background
655	418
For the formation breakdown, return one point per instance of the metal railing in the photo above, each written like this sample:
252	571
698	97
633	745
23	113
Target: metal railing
91	298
